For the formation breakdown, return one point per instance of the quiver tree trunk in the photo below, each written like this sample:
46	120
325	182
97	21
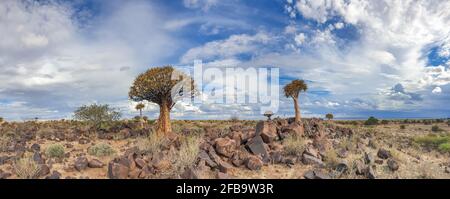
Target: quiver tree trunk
164	119
297	110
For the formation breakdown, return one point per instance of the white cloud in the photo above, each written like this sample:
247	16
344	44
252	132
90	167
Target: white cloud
228	48
437	90
300	39
203	4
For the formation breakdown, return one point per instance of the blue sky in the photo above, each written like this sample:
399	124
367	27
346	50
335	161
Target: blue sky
388	59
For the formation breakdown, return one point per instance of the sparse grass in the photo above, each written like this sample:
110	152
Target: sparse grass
101	150
294	145
151	144
55	151
45	132
26	168
331	158
187	154
440	142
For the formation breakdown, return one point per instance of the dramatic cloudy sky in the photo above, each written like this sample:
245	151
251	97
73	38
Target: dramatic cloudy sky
360	58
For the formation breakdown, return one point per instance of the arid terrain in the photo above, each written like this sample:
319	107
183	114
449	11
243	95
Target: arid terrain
278	149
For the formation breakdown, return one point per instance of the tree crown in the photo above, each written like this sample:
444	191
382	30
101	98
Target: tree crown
294	88
161	85
139	106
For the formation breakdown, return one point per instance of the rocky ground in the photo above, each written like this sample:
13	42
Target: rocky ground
281	149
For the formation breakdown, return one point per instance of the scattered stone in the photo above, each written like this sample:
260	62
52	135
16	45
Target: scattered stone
35	147
81	163
384	154
311	160
38	158
4	175
43	170
205	157
267	130
379	161
342	153
83	141
55	175
225	146
117	171
310	150
289	160
140	163
95	163
146	172
3	159
238	159
315	174
254	163
276	157
256	146
293	129
161	164
368	158
342	167
370	173
372	144
225	167
392	164
361	168
222	176
190	173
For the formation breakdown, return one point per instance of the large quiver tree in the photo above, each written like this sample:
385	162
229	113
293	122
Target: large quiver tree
163	86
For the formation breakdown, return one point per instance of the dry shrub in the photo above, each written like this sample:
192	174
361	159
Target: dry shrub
101	150
331	158
294	145
5	141
187	154
26	168
55	151
152	143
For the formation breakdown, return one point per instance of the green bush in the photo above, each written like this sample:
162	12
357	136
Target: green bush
435	128
384	122
402	126
432	140
445	147
97	114
1	119
55	151
371	121
101	149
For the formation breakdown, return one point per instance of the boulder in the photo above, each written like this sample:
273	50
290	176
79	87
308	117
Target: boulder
368	158
140	163
190	173
225	167
95	163
117	171
370	173
225	146
276	157
54	176
316	174
81	163
392	164
237	137
311	160
4	175
205	157
293	129
267	130
35	147
384	154
342	153
43	170
146	172
254	163
256	146
238	158
38	158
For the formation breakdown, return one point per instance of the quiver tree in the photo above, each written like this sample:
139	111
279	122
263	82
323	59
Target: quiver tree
163	86
139	107
293	90
329	116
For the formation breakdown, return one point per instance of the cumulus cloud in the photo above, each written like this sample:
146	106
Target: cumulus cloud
49	61
437	90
